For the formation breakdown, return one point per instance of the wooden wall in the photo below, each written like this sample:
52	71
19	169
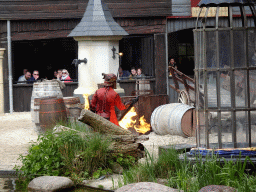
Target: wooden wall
22	95
52	9
61	28
160	64
48	19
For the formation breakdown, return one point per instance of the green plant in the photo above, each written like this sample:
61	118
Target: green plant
101	172
100	186
190	177
125	161
70	154
43	158
76	125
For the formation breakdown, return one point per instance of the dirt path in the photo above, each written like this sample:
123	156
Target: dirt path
17	131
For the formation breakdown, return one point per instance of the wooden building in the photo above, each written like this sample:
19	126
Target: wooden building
39	30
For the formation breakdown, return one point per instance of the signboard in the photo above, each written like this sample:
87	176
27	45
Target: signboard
223	12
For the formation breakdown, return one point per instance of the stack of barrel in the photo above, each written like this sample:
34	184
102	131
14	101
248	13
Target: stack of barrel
49	107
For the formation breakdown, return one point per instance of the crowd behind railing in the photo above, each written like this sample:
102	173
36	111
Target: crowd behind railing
63	75
135	74
27	78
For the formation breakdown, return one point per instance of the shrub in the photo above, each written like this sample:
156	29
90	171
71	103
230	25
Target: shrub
68	154
43	158
183	175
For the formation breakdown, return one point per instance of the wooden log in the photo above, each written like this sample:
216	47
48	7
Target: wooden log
132	149
102	125
129	138
128	145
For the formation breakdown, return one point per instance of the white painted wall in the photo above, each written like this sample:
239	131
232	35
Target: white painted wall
97	51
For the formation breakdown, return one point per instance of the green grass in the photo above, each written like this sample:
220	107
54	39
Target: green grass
183	175
71	153
84	156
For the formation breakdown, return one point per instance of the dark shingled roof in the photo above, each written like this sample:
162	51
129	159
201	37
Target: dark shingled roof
97	21
215	3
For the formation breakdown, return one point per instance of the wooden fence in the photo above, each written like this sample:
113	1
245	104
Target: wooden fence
22	95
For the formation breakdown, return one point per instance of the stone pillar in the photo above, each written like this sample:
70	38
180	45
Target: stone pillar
1	81
98	52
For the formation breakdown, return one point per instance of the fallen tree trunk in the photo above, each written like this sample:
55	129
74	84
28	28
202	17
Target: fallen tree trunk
121	144
128	145
100	124
132	149
129	138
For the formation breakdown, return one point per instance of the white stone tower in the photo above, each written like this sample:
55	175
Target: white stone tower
98	38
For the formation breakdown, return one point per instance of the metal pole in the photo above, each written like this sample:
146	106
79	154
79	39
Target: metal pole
10	65
166	56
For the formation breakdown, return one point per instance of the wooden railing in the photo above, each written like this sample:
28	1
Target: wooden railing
22	95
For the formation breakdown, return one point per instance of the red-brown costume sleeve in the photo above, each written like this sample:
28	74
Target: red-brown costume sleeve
94	102
120	106
119	103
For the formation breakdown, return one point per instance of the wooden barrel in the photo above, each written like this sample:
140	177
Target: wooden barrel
173	119
52	110
41	90
36	111
71	102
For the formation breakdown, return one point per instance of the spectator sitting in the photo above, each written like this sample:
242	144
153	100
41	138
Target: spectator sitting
59	76
133	73
22	77
55	74
139	73
26	77
123	74
35	77
65	76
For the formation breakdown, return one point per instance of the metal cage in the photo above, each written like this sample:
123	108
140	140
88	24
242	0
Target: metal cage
225	74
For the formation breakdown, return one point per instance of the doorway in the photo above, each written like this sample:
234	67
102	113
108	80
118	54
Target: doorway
46	56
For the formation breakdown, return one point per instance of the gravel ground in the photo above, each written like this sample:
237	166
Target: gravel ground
17	131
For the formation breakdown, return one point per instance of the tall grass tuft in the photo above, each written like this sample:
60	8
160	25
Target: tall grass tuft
190	177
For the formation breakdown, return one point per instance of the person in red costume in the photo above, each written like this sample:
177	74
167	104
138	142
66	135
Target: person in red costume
105	99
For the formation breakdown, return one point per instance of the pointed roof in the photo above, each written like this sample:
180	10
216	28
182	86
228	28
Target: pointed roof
97	21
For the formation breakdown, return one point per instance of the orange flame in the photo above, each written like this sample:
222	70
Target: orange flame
86	101
143	127
128	122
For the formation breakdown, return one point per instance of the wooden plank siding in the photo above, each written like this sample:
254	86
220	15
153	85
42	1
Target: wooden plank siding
47	19
48	29
48	9
22	95
160	64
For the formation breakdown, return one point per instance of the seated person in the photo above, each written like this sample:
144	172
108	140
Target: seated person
22	77
133	73
35	77
22	80
55	74
123	74
139	73
65	76
59	75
